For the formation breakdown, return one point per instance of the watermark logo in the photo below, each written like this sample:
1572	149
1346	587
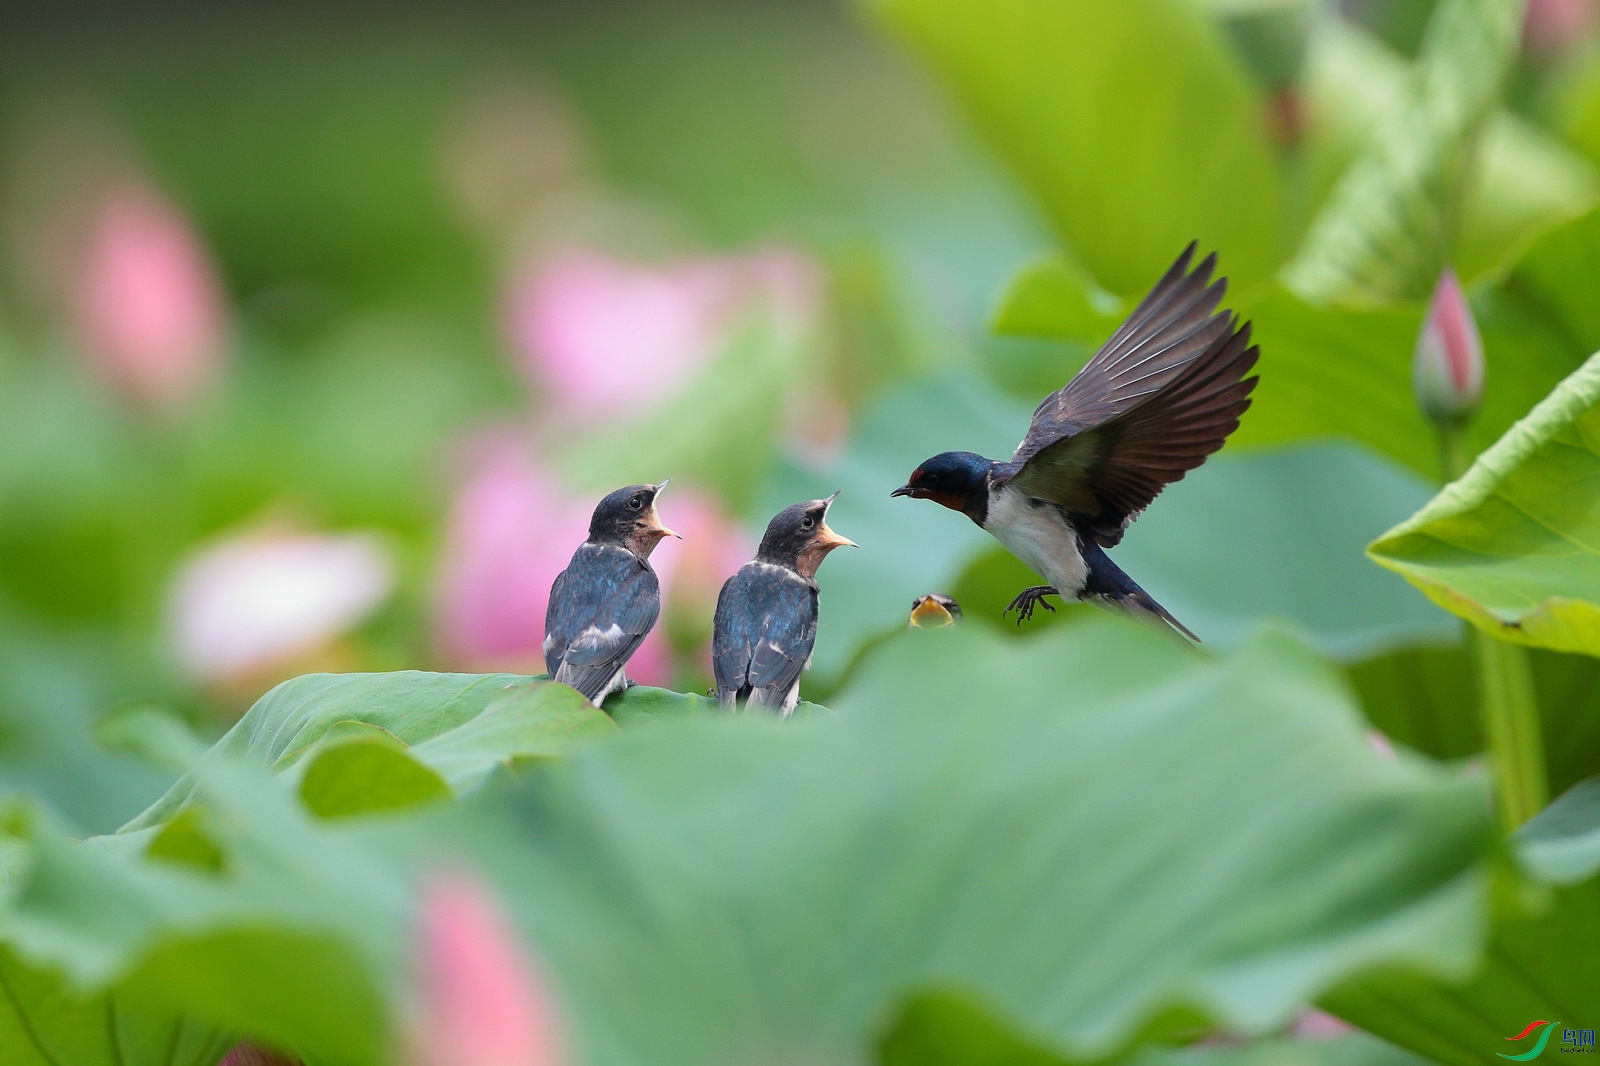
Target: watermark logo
1573	1041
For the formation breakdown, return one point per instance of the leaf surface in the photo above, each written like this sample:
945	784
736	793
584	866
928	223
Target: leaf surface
1561	844
1131	122
1389	225
1513	546
735	889
357	728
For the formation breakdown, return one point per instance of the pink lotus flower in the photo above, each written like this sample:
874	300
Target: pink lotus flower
512	529
603	334
264	596
479	1003
149	306
1448	370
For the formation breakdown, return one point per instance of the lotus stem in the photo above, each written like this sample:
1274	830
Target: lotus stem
1507	700
1512	729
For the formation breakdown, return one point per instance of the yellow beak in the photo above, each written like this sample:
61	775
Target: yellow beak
930	614
831	540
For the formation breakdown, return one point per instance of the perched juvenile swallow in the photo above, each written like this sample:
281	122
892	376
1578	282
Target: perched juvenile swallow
766	621
604	603
1158	398
934	611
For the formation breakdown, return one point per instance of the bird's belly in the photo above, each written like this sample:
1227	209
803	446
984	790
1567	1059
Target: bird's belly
1040	536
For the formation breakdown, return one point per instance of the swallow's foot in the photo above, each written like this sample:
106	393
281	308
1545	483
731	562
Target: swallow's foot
631	683
1028	599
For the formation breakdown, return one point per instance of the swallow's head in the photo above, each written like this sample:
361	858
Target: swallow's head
957	480
933	611
628	517
798	537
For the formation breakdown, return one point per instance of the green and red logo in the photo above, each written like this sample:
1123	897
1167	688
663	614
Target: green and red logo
1580	1041
1537	1048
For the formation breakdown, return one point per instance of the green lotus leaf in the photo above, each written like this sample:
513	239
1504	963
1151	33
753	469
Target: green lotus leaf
1561	844
1557	276
1051	297
1522	181
1426	698
358	768
357	729
1513	546
1388	226
643	703
1540	964
524	722
41	1024
1131	122
1134	836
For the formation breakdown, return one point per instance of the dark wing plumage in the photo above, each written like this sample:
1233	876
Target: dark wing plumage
601	607
1158	398
766	625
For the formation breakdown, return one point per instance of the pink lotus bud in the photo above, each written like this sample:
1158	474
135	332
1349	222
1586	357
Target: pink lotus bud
479	1003
1448	371
149	305
512	529
264	596
1552	27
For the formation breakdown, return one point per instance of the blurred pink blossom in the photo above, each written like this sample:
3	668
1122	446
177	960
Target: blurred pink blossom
247	1054
149	305
511	530
1551	27
693	569
604	334
1448	370
1381	744
479	1003
264	596
1314	1024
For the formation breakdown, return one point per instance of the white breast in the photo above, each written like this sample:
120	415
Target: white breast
1038	535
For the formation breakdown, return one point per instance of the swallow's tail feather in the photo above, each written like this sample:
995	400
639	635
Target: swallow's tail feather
1109	586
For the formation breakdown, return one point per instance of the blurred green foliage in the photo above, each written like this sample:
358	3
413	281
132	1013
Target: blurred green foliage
1065	843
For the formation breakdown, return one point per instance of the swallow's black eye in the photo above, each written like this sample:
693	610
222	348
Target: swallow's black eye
807	522
635	503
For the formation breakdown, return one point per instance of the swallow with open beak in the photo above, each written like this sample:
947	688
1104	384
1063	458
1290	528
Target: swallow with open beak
934	611
766	621
1158	398
608	598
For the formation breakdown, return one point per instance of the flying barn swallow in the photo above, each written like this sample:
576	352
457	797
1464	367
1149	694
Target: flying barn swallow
608	598
1157	398
766	621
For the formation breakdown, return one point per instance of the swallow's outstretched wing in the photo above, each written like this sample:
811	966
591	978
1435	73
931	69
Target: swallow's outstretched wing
601	607
1158	398
765	628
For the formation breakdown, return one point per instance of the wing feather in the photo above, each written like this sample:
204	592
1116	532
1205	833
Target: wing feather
765	628
601	608
1157	398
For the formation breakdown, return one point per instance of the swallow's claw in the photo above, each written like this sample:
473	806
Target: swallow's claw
1028	599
